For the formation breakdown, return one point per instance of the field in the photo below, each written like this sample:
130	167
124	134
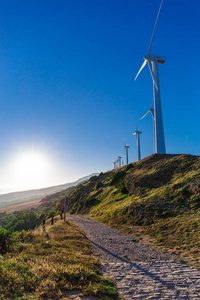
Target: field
19	206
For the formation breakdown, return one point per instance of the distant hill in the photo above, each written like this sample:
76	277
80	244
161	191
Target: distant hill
39	193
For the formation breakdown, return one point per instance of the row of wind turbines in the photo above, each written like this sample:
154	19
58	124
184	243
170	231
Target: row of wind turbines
159	140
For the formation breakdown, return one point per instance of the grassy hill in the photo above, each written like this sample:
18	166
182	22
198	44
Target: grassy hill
158	197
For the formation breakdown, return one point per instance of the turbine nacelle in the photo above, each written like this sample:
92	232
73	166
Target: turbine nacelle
147	60
153	57
137	132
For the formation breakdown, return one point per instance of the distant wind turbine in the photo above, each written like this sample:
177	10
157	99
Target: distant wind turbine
114	164
126	150
153	61
117	163
137	134
120	161
151	110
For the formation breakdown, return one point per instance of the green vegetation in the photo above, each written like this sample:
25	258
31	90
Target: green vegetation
42	264
158	196
20	220
156	199
117	181
50	205
45	264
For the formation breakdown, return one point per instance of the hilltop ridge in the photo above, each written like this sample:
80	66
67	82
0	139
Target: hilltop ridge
158	196
158	179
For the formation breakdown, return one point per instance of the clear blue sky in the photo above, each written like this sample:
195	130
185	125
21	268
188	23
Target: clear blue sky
67	88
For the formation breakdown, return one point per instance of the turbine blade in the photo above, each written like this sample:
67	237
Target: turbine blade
137	124
143	65
152	75
152	104
154	28
146	114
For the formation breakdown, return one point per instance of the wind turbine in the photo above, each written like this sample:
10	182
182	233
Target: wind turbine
151	110
153	61
126	149
114	164
137	134
119	161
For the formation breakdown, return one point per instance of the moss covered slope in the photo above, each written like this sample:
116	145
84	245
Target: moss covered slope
160	194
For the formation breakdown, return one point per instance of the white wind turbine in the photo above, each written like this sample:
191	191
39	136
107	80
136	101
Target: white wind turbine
153	61
126	150
137	133
119	161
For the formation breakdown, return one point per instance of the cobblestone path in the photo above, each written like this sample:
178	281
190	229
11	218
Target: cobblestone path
138	271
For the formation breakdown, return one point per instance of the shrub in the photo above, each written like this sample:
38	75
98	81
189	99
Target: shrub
93	178
117	177
80	206
51	214
118	182
99	185
130	166
91	201
73	208
123	189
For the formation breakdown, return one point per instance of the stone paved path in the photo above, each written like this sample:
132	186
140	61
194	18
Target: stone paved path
138	271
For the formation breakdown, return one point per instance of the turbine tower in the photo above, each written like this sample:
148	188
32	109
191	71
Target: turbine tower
151	110
114	164
119	161
126	149
153	61
137	133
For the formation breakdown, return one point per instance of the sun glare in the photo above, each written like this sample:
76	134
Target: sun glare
30	170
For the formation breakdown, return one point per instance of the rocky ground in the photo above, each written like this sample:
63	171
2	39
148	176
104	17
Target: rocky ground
139	271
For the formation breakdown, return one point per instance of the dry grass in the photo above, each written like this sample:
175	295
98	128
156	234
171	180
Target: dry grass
19	207
47	263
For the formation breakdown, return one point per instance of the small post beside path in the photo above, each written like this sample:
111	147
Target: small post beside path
3	244
65	206
43	224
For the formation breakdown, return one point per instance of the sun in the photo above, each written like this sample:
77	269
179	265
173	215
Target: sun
30	170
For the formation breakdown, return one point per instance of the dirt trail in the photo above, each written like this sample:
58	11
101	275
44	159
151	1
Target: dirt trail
139	271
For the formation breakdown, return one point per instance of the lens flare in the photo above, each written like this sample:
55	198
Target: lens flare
30	170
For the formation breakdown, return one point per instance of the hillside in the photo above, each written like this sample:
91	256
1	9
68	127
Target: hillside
158	196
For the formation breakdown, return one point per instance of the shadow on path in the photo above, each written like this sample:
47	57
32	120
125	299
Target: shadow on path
170	285
147	273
